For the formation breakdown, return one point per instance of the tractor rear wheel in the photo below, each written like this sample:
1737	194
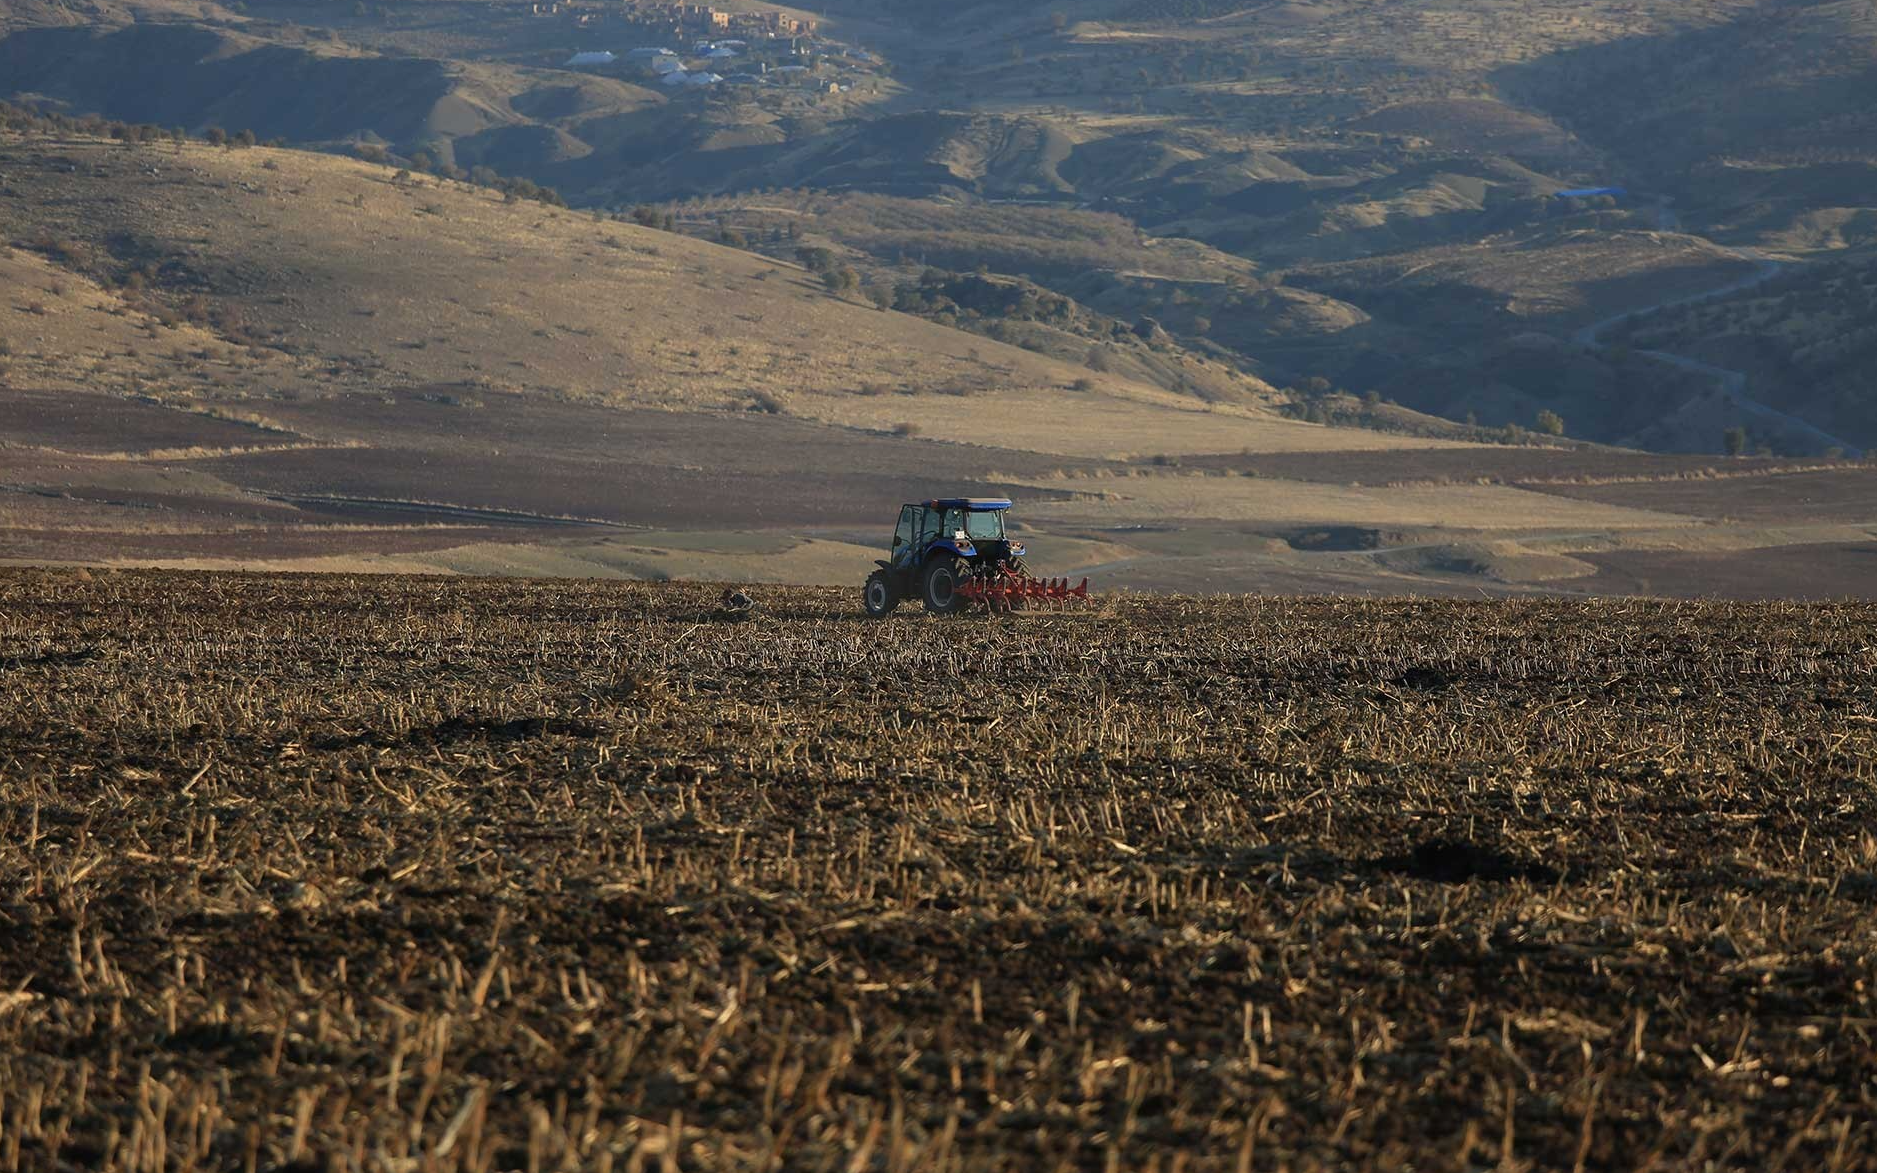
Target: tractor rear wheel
878	596
940	585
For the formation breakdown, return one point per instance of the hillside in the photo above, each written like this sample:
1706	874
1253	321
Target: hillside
1253	178
260	355
1805	339
257	357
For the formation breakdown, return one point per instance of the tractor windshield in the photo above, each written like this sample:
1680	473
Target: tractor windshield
985	526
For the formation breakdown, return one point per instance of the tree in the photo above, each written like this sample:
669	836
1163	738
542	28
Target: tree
840	280
216	136
244	139
1550	423
1734	440
815	259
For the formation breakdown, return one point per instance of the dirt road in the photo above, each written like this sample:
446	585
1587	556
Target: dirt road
1732	384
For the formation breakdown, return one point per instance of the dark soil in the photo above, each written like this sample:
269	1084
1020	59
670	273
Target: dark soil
414	873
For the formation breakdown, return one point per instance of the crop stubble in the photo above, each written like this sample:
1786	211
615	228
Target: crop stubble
376	873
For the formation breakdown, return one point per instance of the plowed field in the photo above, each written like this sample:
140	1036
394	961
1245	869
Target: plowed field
410	874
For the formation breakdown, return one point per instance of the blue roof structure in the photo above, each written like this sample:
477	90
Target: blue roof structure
1578	193
972	504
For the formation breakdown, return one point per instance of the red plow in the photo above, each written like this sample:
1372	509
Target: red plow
1006	591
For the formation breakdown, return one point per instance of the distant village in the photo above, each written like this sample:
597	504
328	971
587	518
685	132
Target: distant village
697	46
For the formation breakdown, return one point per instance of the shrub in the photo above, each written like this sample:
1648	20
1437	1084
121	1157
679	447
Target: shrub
1550	423
1734	441
907	430
1083	384
766	403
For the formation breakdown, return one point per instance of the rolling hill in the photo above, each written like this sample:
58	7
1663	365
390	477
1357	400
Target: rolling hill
1117	243
1306	142
257	357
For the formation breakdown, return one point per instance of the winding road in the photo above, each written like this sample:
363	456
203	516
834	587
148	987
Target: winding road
1732	384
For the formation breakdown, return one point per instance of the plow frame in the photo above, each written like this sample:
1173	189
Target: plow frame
1003	590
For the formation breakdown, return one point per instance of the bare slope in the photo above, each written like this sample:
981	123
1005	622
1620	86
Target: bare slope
257	357
348	269
202	344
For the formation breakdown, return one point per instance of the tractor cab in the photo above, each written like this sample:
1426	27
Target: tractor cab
968	528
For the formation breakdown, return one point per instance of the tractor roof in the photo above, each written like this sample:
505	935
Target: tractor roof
973	504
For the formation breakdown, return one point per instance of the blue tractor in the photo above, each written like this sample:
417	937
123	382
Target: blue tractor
946	552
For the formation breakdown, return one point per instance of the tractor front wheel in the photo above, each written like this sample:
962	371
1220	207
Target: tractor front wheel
878	596
940	586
